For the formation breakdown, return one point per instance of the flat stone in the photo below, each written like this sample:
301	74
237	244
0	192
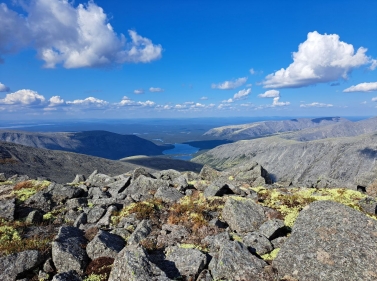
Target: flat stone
272	228
105	244
258	243
143	229
168	194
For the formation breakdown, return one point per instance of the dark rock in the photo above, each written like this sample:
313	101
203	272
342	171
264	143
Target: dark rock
214	242
7	209
98	193
140	172
330	241
142	230
124	233
34	217
67	276
168	194
76	203
243	215
13	265
2	177
189	262
71	216
235	262
272	228
68	250
208	173
60	193
105	244
258	243
95	214
97	179
205	275
40	200
117	187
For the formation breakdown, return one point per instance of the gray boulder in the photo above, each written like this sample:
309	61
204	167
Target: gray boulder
142	230
105	244
68	250
271	228
258	243
7	208
251	173
60	193
95	214
105	221
330	241
119	186
217	190
208	173
369	205
168	194
2	177
41	200
144	188
243	215
140	172
78	179
189	262
81	219
67	276
76	203
234	262
171	234
15	264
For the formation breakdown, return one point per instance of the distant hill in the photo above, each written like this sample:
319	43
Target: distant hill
267	128
342	162
53	164
96	143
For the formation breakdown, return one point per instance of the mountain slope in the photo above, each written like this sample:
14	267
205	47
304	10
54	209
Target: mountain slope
96	143
266	128
341	162
56	165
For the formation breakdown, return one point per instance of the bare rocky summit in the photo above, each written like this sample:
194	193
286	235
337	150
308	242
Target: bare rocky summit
169	225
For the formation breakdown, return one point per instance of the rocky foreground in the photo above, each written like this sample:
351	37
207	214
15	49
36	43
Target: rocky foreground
170	225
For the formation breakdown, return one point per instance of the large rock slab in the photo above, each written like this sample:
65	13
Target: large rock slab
105	244
68	250
14	264
168	194
144	188
7	208
251	173
235	262
330	241
243	215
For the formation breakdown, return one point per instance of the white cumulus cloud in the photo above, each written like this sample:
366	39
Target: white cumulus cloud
276	102
242	94
56	101
4	88
228	101
90	101
229	85
23	97
139	91
320	59
270	94
155	90
362	87
75	37
316	104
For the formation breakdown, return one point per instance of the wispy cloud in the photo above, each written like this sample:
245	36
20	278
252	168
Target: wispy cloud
229	85
270	94
320	59
362	87
316	104
155	90
72	36
139	91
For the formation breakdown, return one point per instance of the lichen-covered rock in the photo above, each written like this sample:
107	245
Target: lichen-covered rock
369	205
60	193
68	250
119	186
41	200
189	262
105	221
271	228
142	230
78	179
105	244
234	262
243	215
171	234
217	190
15	264
258	243
140	172
251	173
67	276
330	241
95	214
7	208
168	194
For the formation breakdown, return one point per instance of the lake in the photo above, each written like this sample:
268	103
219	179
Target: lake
181	151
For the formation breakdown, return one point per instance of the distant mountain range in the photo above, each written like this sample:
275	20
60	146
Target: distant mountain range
268	128
95	143
343	154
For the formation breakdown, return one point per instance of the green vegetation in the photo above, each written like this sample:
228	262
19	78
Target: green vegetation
271	256
24	190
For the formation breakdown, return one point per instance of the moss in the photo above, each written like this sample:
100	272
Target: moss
235	237
272	255
8	233
90	204
24	190
96	277
193	246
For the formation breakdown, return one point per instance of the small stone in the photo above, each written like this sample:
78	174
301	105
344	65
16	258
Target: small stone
258	243
272	228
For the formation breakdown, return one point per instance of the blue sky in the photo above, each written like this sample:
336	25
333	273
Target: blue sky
134	59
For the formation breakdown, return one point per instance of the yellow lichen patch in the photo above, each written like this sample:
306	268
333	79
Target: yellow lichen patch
289	202
231	178
6	183
271	256
96	277
235	237
24	190
193	246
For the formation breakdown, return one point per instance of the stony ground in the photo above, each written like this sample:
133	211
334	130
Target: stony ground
170	225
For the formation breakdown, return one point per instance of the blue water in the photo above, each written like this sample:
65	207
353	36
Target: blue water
181	151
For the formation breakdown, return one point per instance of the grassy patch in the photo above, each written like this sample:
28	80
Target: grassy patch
99	269
24	190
